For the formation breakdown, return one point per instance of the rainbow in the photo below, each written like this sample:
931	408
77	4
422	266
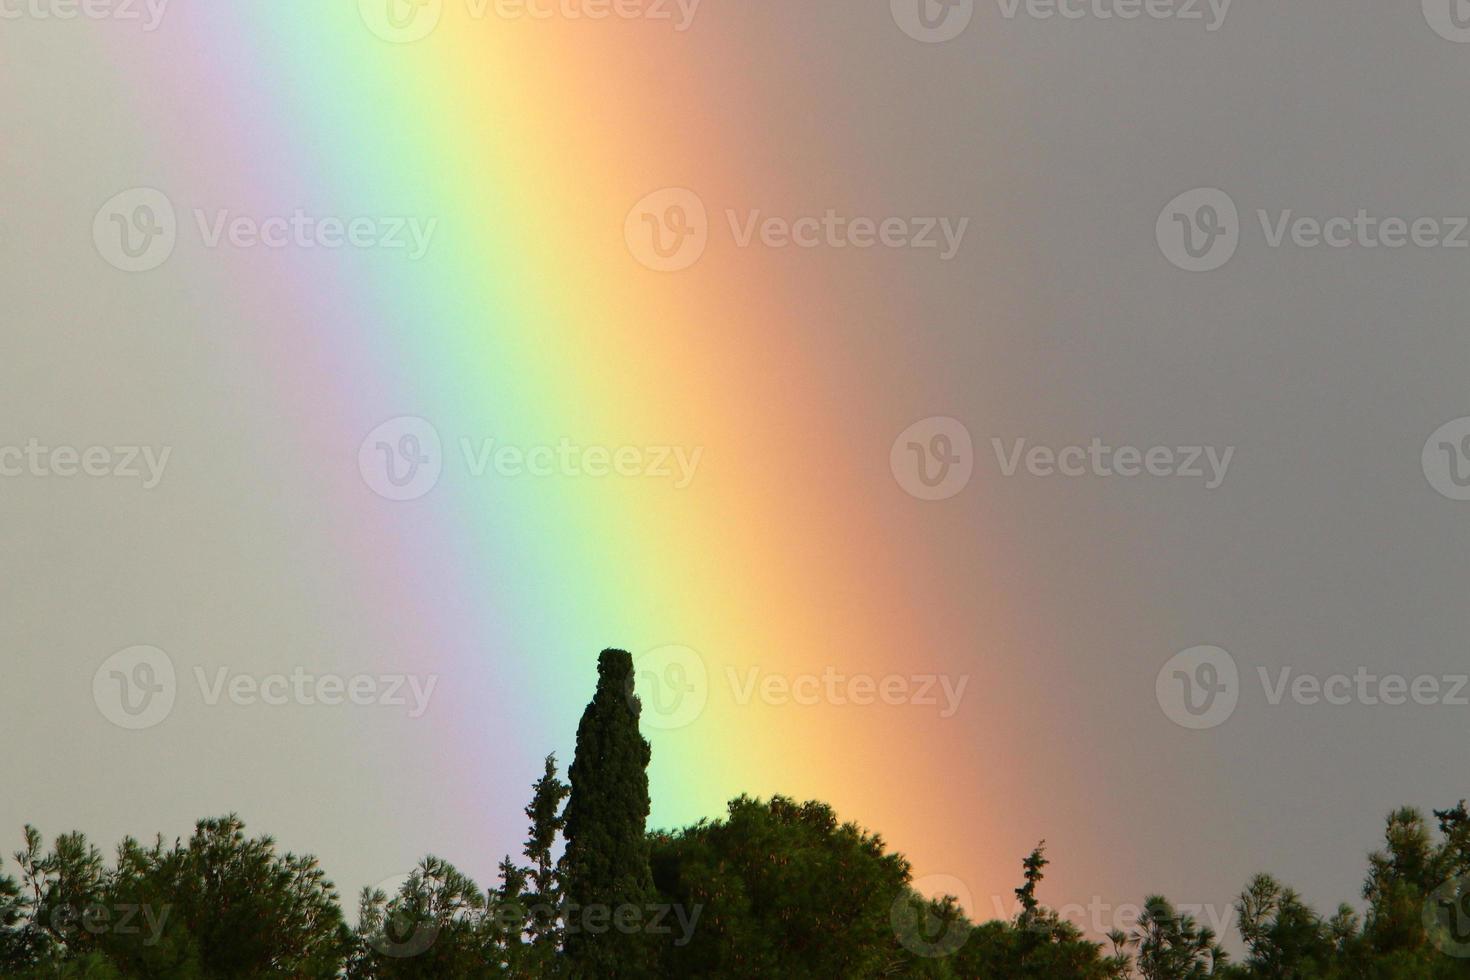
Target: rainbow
530	322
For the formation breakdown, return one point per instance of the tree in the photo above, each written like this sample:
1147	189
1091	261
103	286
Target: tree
1400	877
1285	938
544	896
1038	944
605	872
778	889
253	911
435	925
1172	946
14	914
224	907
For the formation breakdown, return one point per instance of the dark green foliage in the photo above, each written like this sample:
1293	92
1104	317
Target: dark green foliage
1037	945
14	914
543	895
781	889
605	873
775	889
1172	946
251	910
1284	937
224	907
437	924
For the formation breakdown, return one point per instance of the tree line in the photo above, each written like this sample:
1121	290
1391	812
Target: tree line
776	888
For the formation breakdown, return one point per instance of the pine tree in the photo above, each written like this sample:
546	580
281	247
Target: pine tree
545	814
606	879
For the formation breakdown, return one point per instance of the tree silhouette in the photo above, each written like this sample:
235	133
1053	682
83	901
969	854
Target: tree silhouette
773	889
544	896
605	873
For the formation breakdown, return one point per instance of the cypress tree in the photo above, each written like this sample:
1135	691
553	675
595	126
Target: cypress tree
546	822
606	877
